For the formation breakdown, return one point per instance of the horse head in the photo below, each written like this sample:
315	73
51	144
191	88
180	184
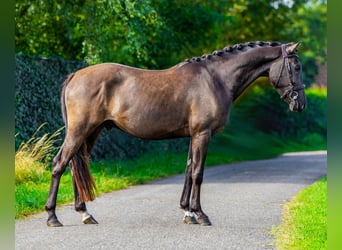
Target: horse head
286	76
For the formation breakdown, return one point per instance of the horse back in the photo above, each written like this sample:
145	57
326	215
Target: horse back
151	104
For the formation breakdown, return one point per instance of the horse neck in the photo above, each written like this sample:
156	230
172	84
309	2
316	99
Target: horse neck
242	68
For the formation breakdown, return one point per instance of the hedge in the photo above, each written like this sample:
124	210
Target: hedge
264	110
37	94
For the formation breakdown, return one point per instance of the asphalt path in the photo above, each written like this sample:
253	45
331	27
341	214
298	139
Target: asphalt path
243	200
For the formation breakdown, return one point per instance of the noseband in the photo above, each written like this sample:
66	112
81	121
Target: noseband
291	90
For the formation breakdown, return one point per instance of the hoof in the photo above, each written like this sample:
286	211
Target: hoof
204	221
54	223
190	220
90	220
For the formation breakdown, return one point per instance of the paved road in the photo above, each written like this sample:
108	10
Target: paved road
243	201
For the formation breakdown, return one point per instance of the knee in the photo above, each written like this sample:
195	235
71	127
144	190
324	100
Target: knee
58	170
58	166
188	176
57	158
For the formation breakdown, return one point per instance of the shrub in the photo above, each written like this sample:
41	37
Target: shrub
37	94
262	108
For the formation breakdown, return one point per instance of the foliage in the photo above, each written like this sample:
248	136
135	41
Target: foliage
121	31
305	21
311	21
304	223
49	28
158	34
37	98
262	107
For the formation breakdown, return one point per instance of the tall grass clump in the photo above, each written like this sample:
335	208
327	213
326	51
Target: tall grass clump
33	157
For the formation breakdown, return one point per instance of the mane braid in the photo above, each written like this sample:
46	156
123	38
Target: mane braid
240	47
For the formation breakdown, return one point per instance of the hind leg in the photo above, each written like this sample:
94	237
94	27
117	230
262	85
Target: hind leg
60	162
80	206
59	165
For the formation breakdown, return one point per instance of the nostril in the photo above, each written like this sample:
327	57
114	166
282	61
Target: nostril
301	107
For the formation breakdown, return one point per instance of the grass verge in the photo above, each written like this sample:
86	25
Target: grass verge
304	225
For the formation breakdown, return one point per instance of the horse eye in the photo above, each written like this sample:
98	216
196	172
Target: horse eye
297	67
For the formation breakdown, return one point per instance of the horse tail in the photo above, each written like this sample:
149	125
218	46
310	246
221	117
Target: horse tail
79	163
81	173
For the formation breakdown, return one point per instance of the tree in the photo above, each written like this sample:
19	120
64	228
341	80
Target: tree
49	28
160	33
311	28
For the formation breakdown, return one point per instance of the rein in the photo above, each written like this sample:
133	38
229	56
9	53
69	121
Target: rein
291	90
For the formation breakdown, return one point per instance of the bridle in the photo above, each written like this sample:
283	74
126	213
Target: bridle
291	90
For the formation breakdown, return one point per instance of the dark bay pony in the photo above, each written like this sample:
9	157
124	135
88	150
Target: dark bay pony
191	99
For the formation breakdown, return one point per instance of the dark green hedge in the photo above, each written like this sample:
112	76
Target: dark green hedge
263	109
37	96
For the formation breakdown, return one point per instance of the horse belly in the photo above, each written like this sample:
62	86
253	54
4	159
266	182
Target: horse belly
148	123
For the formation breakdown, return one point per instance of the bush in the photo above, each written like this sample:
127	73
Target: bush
37	94
261	107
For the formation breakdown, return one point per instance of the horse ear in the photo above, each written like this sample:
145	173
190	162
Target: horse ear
291	48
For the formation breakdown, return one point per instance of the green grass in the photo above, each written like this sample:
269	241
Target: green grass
304	225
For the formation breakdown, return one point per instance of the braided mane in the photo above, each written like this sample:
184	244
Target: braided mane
233	49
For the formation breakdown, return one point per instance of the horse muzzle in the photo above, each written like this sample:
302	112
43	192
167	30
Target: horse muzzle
296	104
